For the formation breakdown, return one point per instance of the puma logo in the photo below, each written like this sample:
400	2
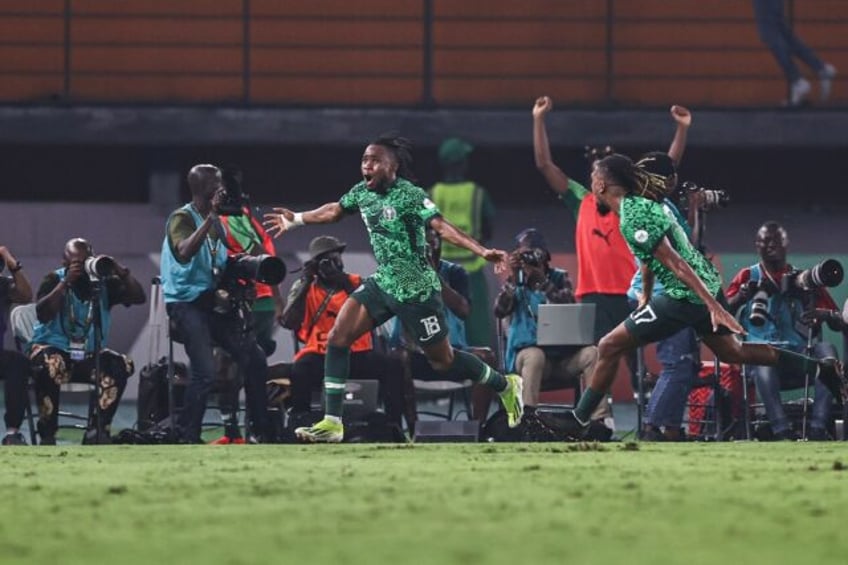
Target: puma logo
602	235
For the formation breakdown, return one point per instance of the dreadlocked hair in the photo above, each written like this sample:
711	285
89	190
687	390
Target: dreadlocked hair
621	170
401	147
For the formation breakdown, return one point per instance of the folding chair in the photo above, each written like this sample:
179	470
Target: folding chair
22	319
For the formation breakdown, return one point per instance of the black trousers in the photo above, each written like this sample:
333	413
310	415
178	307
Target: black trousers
200	330
14	370
308	376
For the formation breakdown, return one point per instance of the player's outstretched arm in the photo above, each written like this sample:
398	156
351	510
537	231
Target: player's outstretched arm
453	234
556	178
666	255
283	219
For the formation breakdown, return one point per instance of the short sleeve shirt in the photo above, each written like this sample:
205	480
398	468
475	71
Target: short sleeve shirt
644	224
396	221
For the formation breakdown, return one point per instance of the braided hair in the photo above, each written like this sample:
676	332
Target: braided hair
401	148
622	171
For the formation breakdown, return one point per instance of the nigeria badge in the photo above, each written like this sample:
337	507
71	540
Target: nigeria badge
389	213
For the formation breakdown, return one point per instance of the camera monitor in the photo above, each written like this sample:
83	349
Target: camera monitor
566	324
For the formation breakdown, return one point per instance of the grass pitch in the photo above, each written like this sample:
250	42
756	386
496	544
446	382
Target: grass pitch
445	504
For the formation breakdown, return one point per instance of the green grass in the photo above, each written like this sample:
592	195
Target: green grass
463	503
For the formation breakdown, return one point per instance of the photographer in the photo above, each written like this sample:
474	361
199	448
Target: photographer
14	367
63	344
244	234
773	309
534	282
311	309
194	260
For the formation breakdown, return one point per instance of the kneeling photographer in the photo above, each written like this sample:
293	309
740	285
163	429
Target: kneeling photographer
780	305
205	295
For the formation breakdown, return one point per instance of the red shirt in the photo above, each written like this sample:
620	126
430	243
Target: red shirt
823	298
605	264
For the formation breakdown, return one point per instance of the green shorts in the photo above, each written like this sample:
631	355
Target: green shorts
663	317
423	321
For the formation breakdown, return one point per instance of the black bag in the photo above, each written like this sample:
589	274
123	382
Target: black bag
534	429
153	392
375	429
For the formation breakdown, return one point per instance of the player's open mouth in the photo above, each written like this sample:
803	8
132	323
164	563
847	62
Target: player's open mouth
369	180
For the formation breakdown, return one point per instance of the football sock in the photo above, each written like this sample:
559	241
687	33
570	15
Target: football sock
465	363
796	362
589	400
336	370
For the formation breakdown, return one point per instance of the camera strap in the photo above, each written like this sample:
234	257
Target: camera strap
320	311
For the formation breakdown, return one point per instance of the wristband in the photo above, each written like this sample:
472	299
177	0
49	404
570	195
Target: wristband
291	224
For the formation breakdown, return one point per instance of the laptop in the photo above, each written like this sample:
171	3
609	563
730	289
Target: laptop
566	324
361	398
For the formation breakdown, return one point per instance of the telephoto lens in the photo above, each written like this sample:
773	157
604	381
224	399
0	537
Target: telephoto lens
99	267
828	273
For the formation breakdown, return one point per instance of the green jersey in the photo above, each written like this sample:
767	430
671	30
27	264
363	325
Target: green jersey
644	223
396	222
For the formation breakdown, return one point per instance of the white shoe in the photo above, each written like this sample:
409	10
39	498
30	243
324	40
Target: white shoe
826	76
798	91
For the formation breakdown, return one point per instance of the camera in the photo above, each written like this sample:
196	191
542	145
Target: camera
759	308
828	273
534	257
593	154
235	289
234	199
266	269
99	267
711	199
328	268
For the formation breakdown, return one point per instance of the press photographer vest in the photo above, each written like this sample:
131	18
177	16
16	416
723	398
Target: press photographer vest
462	205
184	282
314	334
75	319
784	314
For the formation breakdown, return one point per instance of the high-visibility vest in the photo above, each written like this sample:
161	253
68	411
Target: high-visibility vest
461	204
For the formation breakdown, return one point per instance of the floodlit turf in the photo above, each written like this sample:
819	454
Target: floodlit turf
463	503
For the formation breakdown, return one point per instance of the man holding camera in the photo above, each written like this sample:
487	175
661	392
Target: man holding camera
312	307
533	282
244	234
194	260
73	309
14	367
775	306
